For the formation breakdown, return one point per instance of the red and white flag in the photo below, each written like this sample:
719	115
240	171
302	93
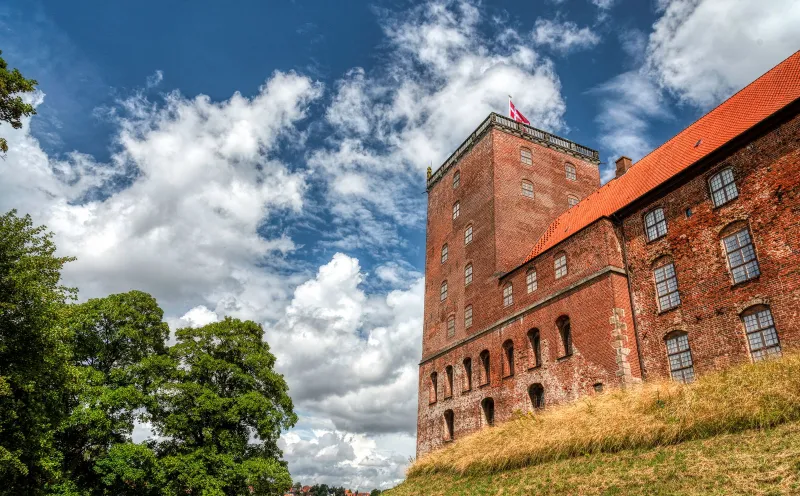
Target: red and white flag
516	114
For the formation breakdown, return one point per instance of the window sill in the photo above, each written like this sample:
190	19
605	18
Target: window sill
565	357
447	441
535	367
447	398
431	403
509	376
737	285
483	385
655	240
717	207
668	310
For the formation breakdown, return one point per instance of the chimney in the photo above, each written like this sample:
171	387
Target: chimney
623	164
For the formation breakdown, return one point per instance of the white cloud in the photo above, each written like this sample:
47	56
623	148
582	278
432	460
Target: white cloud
563	36
629	103
155	79
704	50
442	76
603	4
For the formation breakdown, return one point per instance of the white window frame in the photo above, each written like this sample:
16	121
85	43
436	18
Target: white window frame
655	224
508	295
456	210
572	201
560	266
444	253
527	160
723	187
451	326
468	235
762	337
530	281
443	291
468	317
740	252
570	172
679	358
527	192
468	274
456	179
667	293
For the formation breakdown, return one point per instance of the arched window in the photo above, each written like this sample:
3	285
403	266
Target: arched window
456	179
468	317
432	394
487	405
570	171
456	210
741	254
525	156
566	334
560	265
485	366
723	187
448	371
467	274
444	253
468	235
666	287
681	367
443	291
467	374
762	337
655	224
527	188
451	326
508	358
448	425
530	281
508	295
572	200
534	339
536	394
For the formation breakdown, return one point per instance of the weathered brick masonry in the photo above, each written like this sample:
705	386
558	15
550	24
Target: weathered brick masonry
570	329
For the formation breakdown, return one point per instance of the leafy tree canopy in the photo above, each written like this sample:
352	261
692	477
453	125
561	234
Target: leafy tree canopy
12	107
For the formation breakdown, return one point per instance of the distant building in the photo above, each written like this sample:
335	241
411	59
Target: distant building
542	286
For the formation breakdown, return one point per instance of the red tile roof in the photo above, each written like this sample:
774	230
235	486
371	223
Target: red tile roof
763	97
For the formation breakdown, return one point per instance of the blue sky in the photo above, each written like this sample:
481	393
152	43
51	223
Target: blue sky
266	160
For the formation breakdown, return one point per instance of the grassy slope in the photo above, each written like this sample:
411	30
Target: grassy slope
753	462
638	441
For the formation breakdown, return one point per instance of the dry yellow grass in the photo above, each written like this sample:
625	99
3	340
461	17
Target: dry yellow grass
654	414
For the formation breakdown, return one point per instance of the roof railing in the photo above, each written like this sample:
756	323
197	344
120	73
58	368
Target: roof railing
525	131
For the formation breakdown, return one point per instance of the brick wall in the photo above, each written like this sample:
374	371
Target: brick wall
767	174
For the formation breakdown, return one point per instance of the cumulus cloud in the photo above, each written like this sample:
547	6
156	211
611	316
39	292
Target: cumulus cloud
387	126
704	50
563	36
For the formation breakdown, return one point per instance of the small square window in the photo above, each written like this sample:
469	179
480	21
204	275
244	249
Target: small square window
572	201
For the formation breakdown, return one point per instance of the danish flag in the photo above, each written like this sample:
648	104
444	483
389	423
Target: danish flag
516	114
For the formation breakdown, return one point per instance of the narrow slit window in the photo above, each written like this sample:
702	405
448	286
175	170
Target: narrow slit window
468	317
508	355
667	287
485	365
449	421
723	187
679	355
432	397
565	330
536	347
467	374
741	256
448	372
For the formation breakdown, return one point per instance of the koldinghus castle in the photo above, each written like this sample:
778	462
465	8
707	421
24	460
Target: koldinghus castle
542	286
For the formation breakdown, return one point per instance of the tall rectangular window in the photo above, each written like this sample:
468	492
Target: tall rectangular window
741	256
723	187
444	253
761	334
569	169
451	326
443	291
527	188
530	281
508	295
468	235
456	210
561	265
525	156
667	287
468	317
680	358
456	179
467	274
655	224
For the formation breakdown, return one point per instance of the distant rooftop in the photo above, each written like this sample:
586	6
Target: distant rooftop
523	131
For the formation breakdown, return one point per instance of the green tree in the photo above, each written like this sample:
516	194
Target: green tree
110	337
220	407
375	492
34	354
12	107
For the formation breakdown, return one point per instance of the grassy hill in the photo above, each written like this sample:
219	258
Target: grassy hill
731	432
